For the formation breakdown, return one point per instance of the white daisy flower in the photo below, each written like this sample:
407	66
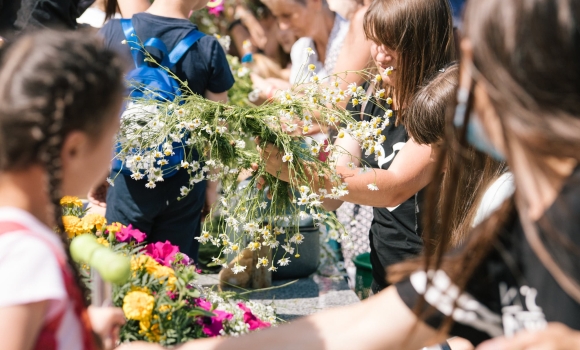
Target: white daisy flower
373	187
284	262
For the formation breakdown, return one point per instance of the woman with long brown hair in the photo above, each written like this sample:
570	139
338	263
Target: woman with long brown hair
517	275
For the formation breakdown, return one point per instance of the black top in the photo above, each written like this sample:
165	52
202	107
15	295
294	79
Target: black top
204	66
393	234
511	290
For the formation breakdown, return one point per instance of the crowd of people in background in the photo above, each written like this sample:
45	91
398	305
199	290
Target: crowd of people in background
472	229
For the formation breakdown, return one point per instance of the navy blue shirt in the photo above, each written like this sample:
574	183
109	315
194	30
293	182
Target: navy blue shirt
204	66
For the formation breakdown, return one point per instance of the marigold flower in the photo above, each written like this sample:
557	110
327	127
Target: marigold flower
138	305
71	201
103	241
72	225
93	222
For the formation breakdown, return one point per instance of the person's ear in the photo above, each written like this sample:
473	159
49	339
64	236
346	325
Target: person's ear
74	148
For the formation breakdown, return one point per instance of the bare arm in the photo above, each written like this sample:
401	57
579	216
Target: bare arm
380	322
130	7
217	97
350	145
20	325
412	169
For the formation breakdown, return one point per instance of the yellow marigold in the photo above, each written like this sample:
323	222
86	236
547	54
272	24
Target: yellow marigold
72	201
138	305
152	332
144	262
115	227
93	222
166	272
72	225
103	241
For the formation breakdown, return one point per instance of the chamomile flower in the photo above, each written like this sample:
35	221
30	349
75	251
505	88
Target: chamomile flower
238	268
311	67
372	187
284	262
204	237
110	181
351	165
315	79
309	52
262	262
288	157
389	113
184	191
389	101
297	238
315	150
150	184
378	78
273	268
355	102
306	129
302	201
389	70
380	94
136	176
341	134
162	162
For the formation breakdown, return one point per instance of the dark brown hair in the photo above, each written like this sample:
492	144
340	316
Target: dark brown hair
426	125
52	83
514	44
427	111
421	32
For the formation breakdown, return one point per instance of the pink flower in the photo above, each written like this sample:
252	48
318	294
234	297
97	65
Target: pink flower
216	10
251	320
163	253
125	234
212	326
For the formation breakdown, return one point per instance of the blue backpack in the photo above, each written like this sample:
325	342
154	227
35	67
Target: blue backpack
152	82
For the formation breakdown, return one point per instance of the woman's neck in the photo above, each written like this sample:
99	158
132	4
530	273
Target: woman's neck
540	181
321	33
26	190
170	8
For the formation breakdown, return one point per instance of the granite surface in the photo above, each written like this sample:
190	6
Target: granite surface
300	297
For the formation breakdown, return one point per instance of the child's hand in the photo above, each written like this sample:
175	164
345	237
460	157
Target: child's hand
106	322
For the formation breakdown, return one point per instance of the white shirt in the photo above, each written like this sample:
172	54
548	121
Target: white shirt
500	190
30	273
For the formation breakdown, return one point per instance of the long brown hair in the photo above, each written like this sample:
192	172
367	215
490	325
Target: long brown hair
421	31
514	44
426	125
52	83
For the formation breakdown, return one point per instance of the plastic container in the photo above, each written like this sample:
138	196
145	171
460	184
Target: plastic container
364	275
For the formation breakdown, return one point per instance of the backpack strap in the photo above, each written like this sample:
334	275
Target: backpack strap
131	38
137	49
181	48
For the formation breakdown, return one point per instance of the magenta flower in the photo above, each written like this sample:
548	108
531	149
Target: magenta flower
163	253
128	233
212	326
251	320
216	10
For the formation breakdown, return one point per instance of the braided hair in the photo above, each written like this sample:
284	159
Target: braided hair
52	83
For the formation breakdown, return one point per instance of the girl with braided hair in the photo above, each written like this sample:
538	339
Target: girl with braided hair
60	97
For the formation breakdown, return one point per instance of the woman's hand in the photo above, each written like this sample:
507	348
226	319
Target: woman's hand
555	337
106	322
272	159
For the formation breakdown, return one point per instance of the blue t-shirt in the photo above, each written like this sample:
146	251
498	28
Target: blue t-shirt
204	66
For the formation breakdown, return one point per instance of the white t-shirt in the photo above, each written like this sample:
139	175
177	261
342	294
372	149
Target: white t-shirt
500	190
30	272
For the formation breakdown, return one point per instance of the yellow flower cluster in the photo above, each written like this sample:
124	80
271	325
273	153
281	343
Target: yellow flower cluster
115	227
90	223
153	268
71	201
138	305
103	241
72	225
93	222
